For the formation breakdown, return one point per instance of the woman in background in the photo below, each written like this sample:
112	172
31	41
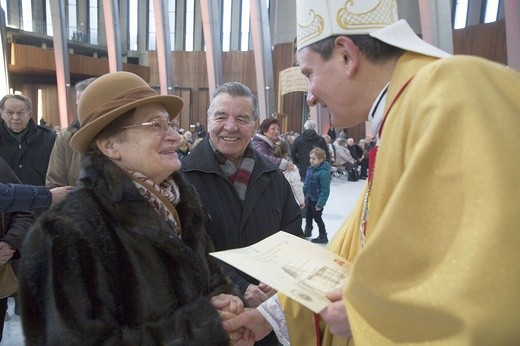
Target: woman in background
281	150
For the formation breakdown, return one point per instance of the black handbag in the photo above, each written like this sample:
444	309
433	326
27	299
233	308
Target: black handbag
353	175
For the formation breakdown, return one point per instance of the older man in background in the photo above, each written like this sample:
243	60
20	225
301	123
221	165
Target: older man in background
24	145
244	196
303	145
64	162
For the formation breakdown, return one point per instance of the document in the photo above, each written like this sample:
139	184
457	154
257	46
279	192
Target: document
294	266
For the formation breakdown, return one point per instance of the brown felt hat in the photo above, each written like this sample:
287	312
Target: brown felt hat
111	96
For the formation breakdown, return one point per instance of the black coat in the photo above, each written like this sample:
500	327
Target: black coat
269	205
29	159
302	146
103	268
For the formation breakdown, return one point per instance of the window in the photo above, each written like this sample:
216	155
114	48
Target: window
244	26
93	21
172	13
491	11
133	24
48	15
461	14
73	21
226	26
152	34
27	24
190	23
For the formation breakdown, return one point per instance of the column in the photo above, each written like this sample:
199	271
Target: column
164	52
512	14
210	12
4	75
113	35
61	58
436	23
263	57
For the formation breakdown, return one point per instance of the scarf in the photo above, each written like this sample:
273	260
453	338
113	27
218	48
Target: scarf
163	198
240	176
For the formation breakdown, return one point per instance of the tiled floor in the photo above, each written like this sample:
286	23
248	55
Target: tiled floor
342	199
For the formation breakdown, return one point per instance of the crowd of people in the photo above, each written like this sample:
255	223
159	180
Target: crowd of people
109	225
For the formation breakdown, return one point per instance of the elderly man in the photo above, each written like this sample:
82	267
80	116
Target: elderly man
245	197
64	162
303	145
434	236
25	146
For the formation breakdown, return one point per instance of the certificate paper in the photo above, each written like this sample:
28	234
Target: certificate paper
294	266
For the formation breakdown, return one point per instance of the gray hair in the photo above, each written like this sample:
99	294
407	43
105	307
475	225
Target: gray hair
82	85
28	103
309	125
234	89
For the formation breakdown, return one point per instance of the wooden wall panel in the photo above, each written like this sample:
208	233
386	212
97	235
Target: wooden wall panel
484	40
26	59
283	58
49	103
240	67
189	69
357	132
184	116
200	107
293	107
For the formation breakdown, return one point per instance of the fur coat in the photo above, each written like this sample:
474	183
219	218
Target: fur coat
103	268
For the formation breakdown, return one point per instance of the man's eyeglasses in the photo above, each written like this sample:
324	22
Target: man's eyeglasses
161	125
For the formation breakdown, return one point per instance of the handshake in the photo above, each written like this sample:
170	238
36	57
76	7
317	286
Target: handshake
244	325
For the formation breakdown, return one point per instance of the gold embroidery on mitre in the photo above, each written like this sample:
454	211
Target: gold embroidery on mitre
381	15
313	30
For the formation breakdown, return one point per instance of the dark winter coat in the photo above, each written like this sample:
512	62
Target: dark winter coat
13	225
29	159
269	206
104	268
303	145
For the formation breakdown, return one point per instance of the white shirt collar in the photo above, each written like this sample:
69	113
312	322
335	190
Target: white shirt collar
377	113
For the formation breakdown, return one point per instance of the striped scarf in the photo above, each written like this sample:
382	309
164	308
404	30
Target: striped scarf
240	176
158	196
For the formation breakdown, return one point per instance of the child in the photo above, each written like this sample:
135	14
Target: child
316	189
293	175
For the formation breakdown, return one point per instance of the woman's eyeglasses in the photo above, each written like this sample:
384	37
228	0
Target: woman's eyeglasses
162	125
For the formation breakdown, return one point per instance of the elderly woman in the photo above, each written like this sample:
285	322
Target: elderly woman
124	258
264	142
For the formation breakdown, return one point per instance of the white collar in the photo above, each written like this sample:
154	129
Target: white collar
377	113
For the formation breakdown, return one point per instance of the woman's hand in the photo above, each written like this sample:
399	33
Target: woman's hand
250	319
228	303
229	307
59	193
6	252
